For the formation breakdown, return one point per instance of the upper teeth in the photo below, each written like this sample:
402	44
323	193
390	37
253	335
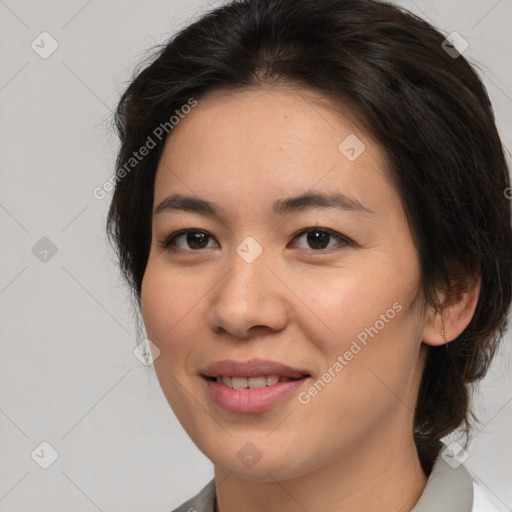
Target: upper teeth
251	382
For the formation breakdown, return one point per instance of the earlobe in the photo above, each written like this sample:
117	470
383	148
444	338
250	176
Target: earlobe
457	311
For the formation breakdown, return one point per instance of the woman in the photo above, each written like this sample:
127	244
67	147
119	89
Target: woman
311	211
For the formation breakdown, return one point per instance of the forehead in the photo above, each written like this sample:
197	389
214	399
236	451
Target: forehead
269	141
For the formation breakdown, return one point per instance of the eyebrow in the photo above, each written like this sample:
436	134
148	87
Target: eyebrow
302	202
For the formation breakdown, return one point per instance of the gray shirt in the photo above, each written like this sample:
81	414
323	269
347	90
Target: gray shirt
447	490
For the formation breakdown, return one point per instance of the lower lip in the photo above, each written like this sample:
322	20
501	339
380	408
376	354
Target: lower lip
252	400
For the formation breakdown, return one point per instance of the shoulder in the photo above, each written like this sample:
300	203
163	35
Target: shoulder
203	501
483	501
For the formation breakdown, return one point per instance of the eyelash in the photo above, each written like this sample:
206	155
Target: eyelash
168	242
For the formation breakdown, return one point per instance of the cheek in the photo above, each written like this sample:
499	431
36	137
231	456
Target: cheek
170	310
341	307
163	304
366	317
369	374
154	304
161	312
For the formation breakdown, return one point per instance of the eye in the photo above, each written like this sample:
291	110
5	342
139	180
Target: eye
318	238
194	237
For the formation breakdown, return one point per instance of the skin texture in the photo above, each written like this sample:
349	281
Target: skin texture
351	446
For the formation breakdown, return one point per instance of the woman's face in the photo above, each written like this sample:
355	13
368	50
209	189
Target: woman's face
328	290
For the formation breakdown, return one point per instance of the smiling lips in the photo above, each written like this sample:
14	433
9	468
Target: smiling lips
251	386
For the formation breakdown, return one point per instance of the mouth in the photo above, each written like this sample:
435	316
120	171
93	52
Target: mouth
253	374
237	394
252	386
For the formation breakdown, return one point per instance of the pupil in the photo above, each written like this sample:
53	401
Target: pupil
192	238
316	237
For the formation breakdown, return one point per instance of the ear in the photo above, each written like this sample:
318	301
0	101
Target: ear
457	311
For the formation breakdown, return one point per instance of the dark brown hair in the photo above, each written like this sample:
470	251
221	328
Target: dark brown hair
426	107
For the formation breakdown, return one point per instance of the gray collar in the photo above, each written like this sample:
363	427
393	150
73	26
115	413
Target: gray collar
447	490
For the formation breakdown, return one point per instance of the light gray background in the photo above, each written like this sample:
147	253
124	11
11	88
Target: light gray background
68	375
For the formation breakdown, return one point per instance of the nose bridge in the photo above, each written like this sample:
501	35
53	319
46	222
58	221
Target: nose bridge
247	295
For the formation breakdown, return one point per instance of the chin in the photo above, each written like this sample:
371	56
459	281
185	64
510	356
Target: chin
261	465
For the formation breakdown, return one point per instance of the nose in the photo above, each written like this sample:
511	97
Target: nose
249	299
